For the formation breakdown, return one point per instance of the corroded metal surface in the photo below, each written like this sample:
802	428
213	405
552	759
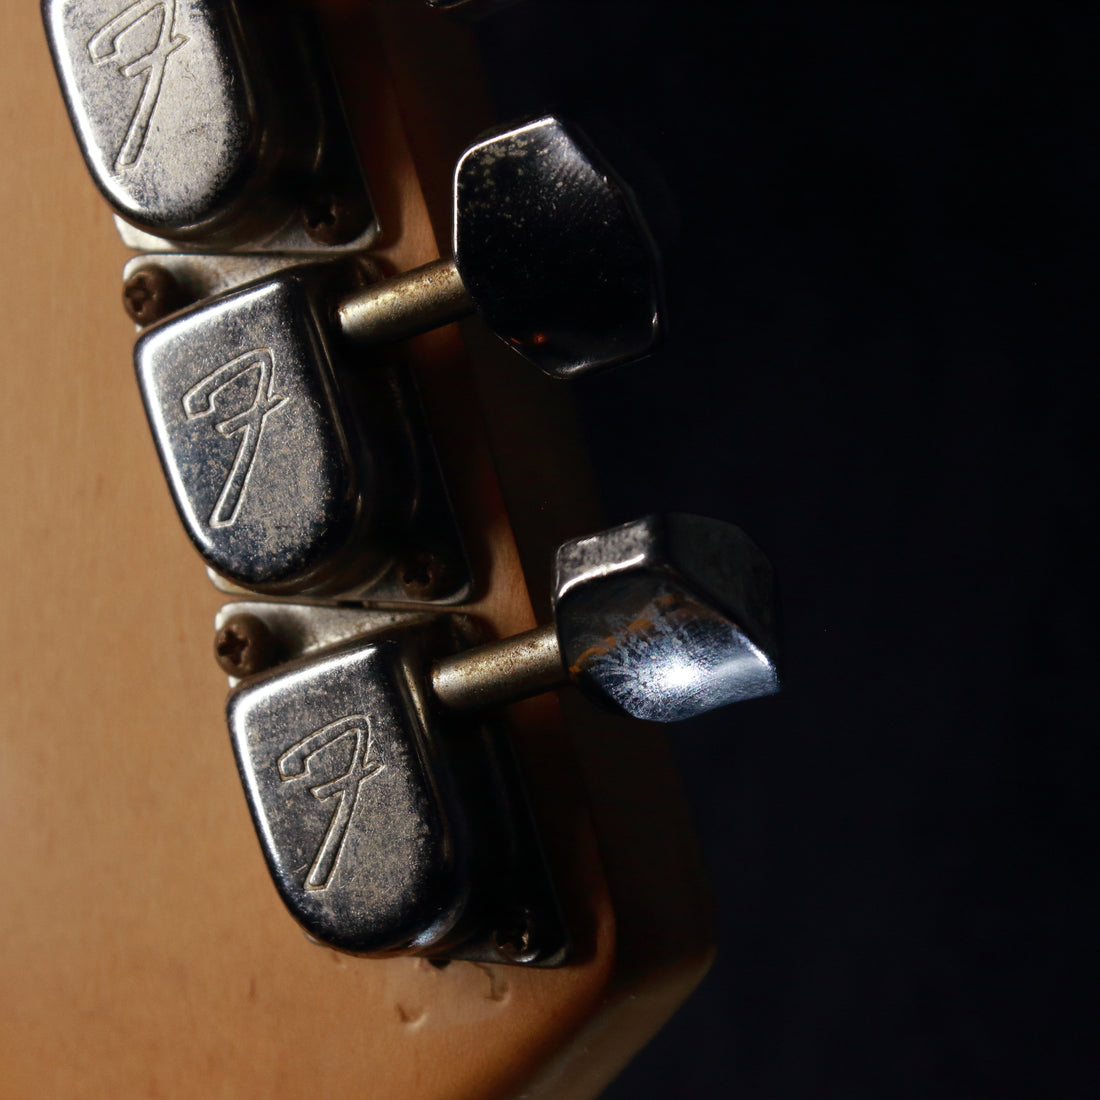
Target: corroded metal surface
664	618
667	617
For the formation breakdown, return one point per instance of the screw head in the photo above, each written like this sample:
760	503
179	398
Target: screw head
517	938
150	294
331	220
244	646
424	575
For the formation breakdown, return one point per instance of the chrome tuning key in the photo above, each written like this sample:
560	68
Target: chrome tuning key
293	471
391	821
210	124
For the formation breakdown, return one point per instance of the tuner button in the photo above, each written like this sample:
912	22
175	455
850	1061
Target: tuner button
553	250
664	618
243	406
667	617
549	248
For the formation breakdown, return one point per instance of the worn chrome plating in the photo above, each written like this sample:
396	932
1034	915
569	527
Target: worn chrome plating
208	122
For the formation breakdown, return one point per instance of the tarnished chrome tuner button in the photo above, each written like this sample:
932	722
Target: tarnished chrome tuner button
549	248
668	617
290	475
385	829
665	618
553	250
211	122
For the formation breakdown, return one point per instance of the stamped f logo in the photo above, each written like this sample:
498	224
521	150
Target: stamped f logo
344	790
199	402
107	45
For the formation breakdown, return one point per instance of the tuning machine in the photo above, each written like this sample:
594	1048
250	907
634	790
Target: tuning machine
390	820
211	124
295	472
292	472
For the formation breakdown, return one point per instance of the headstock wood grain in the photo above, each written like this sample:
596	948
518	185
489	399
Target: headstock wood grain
142	947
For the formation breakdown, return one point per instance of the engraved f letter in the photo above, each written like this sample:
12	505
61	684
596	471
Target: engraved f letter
199	402
104	46
345	789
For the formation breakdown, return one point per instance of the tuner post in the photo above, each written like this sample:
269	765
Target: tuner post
406	305
500	672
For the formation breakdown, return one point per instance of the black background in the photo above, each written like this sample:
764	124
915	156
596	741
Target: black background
880	228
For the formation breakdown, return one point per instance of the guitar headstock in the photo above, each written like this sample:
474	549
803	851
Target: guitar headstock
199	960
879	355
